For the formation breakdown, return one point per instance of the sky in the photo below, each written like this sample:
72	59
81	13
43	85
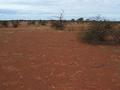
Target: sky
51	9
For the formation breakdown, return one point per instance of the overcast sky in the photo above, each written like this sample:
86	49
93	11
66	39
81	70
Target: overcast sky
49	9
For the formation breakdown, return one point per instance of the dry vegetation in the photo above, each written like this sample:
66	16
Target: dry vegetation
94	32
101	33
43	55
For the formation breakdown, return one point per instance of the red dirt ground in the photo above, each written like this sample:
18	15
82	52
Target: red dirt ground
38	60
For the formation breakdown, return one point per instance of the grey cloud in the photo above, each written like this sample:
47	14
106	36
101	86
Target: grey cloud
7	11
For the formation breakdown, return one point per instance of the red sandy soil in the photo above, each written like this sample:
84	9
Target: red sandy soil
38	60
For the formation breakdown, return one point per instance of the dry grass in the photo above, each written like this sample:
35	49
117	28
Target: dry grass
77	27
70	26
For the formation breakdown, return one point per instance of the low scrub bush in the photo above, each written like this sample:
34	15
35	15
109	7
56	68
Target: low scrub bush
116	36
15	24
101	33
58	25
31	22
4	23
41	22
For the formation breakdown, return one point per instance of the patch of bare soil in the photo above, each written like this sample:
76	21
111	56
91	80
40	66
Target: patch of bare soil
33	60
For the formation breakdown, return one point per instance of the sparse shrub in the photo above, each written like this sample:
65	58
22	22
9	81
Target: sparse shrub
101	33
95	33
4	23
42	22
39	21
73	20
15	24
58	25
32	22
116	35
80	19
29	23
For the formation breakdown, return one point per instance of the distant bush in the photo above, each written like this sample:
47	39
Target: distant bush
73	20
15	24
42	22
101	32
58	25
4	23
32	22
80	19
